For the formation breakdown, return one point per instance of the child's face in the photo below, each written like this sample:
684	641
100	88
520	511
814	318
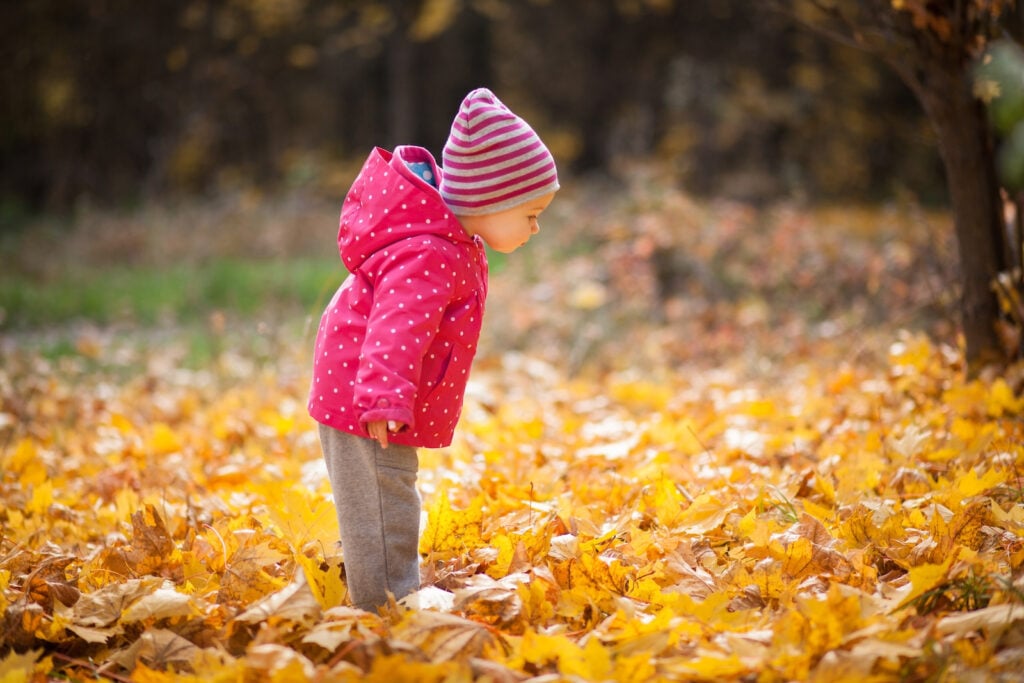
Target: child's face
510	229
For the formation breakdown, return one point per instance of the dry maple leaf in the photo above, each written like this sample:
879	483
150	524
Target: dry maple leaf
443	637
295	603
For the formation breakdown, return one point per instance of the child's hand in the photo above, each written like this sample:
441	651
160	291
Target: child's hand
379	430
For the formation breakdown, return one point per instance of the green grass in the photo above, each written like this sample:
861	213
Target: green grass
181	293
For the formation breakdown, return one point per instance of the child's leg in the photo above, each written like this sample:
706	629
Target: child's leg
378	515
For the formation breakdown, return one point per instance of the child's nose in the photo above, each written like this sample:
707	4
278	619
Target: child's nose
534	228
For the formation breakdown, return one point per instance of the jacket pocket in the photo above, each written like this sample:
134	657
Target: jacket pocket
435	373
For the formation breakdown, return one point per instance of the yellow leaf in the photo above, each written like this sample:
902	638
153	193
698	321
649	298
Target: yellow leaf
795	553
536	597
392	668
819	512
709	666
829	618
915	518
26	463
644	589
506	551
912	353
758	530
1015	515
143	674
824	485
163	440
281	424
707	611
1002	401
126	501
637	668
667	502
325	579
121	423
641	393
974	399
18	668
705	513
451	531
971	484
926	577
590	662
303	516
42	498
965	430
761	408
767	576
862	473
678	434
5	581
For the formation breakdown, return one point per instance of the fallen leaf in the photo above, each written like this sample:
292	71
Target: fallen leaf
996	618
443	637
295	602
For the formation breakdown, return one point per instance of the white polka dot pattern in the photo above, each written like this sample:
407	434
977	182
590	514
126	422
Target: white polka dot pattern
398	338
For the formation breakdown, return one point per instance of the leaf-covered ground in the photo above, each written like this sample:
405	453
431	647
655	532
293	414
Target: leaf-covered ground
731	465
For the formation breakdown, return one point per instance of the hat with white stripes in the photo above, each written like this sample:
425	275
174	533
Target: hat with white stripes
493	160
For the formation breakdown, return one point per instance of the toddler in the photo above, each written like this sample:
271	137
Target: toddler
395	344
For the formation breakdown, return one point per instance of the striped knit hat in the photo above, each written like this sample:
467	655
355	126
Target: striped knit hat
493	159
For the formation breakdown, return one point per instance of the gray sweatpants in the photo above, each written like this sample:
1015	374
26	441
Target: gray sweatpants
378	515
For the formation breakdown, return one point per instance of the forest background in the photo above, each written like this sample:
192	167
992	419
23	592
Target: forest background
720	426
113	102
119	118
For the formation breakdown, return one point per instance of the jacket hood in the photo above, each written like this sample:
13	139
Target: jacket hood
388	203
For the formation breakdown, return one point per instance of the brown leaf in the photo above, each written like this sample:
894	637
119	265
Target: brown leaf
148	552
343	625
807	547
163	603
159	649
20	623
443	637
495	602
295	602
102	609
246	578
44	591
279	662
484	669
996	618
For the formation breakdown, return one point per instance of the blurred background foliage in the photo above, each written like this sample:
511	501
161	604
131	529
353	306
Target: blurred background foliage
115	101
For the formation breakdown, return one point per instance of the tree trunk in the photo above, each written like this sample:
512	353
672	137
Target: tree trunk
966	150
400	60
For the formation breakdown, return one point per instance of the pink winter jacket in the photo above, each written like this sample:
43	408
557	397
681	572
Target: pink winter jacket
397	340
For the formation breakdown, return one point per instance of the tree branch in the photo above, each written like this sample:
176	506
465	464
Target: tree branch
848	38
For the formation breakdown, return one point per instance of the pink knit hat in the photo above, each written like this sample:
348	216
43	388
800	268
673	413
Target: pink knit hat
493	159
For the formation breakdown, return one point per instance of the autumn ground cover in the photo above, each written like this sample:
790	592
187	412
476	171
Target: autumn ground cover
703	441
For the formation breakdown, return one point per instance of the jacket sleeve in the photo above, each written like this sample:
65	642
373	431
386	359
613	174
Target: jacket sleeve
412	286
